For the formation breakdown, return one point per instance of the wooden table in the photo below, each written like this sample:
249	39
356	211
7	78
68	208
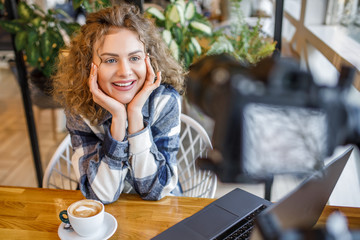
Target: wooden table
32	213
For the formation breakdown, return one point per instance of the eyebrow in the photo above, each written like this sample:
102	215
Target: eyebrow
116	55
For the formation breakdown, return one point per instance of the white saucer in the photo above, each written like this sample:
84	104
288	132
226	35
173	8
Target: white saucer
107	230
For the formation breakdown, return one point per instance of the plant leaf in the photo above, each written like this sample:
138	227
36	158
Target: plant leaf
180	6
168	23
173	14
45	44
156	13
174	49
187	59
24	11
56	38
33	38
10	26
20	40
36	22
196	45
166	35
202	27
177	33
221	45
33	54
190	10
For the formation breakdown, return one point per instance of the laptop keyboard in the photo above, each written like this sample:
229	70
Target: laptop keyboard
242	229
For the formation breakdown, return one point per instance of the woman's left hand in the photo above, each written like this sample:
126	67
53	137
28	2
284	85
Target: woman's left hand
151	83
134	108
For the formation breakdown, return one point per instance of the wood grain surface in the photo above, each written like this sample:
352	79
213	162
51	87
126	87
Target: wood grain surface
32	213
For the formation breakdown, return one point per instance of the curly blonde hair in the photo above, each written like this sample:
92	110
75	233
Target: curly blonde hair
73	68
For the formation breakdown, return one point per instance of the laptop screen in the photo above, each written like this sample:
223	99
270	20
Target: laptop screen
301	208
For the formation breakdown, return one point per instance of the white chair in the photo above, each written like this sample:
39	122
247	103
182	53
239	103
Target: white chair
60	173
194	182
194	143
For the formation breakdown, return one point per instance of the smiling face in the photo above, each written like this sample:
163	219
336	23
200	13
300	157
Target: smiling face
121	62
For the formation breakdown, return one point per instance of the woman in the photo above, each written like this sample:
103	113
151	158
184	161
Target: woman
120	88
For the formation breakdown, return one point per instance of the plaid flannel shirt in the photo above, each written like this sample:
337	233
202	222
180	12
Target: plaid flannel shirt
144	161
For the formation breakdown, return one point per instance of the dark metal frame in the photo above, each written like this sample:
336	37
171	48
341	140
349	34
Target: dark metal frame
10	6
279	12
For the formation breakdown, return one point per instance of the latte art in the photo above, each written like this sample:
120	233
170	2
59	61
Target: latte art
85	208
85	211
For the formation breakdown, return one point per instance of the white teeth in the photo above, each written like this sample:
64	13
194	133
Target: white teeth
123	84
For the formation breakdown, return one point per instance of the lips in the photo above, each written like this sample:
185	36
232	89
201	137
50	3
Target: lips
124	85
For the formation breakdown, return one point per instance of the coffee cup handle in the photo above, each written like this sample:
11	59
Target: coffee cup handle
63	215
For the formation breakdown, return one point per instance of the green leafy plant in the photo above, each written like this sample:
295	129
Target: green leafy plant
182	28
91	5
243	42
39	34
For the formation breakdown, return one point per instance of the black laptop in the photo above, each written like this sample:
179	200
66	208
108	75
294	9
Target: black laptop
232	216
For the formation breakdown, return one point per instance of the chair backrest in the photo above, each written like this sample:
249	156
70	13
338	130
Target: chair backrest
60	172
194	143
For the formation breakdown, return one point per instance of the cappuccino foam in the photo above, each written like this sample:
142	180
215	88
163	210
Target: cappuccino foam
85	208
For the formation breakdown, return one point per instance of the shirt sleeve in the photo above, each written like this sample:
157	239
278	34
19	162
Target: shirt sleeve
153	150
100	162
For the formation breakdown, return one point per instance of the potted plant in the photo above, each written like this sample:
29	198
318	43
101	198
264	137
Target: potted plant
40	35
245	43
182	27
190	35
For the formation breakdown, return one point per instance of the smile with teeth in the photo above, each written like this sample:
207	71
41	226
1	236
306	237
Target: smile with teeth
123	84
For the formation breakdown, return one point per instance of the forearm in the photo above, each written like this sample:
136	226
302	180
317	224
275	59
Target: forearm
154	173
153	150
100	180
135	120
100	162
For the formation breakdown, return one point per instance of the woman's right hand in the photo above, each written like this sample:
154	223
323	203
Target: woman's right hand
101	98
117	109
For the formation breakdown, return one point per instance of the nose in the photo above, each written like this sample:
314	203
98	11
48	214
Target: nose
124	68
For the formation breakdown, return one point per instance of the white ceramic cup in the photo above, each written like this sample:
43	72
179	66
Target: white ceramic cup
85	216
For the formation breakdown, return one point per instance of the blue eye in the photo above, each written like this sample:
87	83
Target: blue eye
135	59
111	60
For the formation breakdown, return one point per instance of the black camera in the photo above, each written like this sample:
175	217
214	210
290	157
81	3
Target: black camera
270	118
